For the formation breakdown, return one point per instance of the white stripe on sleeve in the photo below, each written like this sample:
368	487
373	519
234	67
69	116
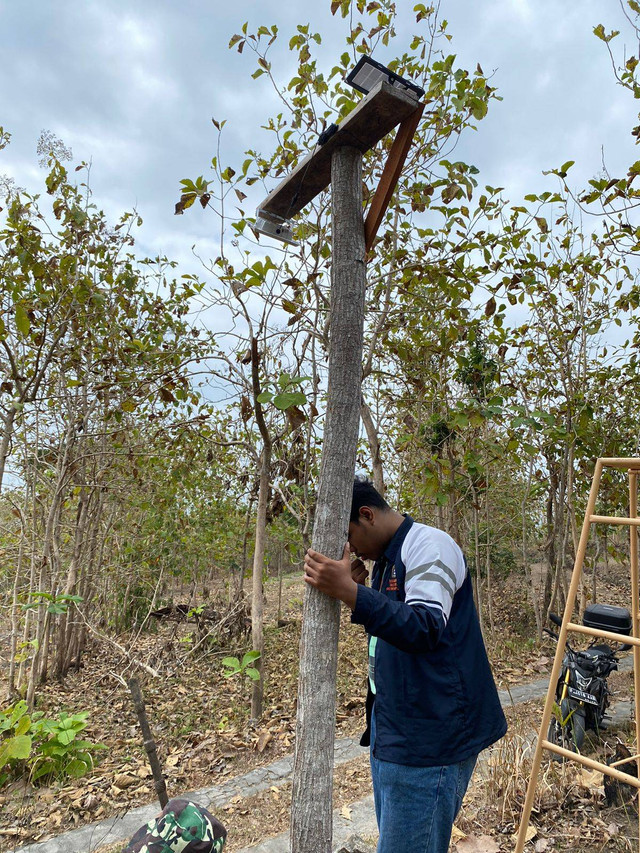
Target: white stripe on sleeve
435	568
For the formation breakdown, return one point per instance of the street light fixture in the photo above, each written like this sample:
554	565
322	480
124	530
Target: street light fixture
368	73
274	226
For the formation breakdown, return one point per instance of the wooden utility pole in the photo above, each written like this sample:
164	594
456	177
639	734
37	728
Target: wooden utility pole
339	162
311	817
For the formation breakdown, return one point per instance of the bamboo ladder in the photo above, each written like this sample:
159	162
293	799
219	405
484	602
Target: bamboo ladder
632	466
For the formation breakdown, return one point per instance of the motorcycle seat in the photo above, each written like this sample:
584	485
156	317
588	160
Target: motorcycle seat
595	652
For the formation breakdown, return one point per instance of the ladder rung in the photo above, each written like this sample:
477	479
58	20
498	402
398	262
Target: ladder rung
591	764
614	519
606	635
621	462
624	761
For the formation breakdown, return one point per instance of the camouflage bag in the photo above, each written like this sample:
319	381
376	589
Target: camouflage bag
181	827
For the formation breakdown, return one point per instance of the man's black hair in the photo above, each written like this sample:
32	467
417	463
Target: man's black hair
365	494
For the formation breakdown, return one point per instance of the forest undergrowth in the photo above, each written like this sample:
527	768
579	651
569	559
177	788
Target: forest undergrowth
200	719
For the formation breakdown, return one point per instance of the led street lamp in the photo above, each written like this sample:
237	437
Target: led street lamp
368	73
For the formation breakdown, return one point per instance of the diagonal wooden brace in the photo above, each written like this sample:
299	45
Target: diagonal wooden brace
390	175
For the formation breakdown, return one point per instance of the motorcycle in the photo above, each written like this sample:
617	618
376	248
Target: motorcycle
582	692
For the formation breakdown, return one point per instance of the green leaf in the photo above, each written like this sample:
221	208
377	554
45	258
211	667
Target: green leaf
265	397
24	724
45	768
19	710
76	768
22	319
15	749
250	657
253	674
66	736
289	398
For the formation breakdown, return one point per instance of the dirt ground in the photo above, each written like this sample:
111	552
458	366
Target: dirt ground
200	721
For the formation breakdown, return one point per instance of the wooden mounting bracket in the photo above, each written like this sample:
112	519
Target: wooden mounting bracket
384	108
390	175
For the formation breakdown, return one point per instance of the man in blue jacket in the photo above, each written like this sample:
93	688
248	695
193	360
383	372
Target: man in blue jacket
432	704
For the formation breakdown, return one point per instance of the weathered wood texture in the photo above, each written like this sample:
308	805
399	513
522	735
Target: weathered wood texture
311	809
373	118
149	742
390	175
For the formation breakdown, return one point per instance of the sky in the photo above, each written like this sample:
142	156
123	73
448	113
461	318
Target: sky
132	87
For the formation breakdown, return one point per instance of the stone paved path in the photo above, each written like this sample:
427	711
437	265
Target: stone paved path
120	828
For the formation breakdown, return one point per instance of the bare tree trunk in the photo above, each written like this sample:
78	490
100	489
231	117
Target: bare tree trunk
487	554
280	561
257	593
440	523
245	540
476	540
65	623
15	622
77	631
534	590
453	509
311	810
374	447
7	432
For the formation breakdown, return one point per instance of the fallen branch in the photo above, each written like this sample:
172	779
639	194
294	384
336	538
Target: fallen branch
133	661
149	742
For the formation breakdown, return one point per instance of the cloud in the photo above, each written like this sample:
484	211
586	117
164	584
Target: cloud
133	87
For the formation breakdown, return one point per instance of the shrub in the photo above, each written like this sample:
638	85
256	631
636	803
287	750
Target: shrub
44	748
233	666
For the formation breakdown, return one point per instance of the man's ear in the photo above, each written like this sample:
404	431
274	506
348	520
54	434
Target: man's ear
366	514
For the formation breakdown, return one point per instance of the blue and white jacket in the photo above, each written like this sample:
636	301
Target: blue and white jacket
435	698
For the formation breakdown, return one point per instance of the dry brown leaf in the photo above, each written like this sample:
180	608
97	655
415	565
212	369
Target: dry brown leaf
124	780
591	779
457	834
477	844
345	811
529	835
263	741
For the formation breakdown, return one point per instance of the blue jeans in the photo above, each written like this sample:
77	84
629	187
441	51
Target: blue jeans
416	806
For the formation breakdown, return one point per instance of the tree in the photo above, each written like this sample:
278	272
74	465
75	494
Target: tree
94	348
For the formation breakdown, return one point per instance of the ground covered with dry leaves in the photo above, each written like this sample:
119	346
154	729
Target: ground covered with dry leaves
201	723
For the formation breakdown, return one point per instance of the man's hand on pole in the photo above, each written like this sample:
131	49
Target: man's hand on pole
334	577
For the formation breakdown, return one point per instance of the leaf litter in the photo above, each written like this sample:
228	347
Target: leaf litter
201	724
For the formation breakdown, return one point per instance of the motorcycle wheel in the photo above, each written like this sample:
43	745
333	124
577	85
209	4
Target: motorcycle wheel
578	726
570	736
556	735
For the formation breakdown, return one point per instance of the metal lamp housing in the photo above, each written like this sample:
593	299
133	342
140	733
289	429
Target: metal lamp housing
274	226
367	73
